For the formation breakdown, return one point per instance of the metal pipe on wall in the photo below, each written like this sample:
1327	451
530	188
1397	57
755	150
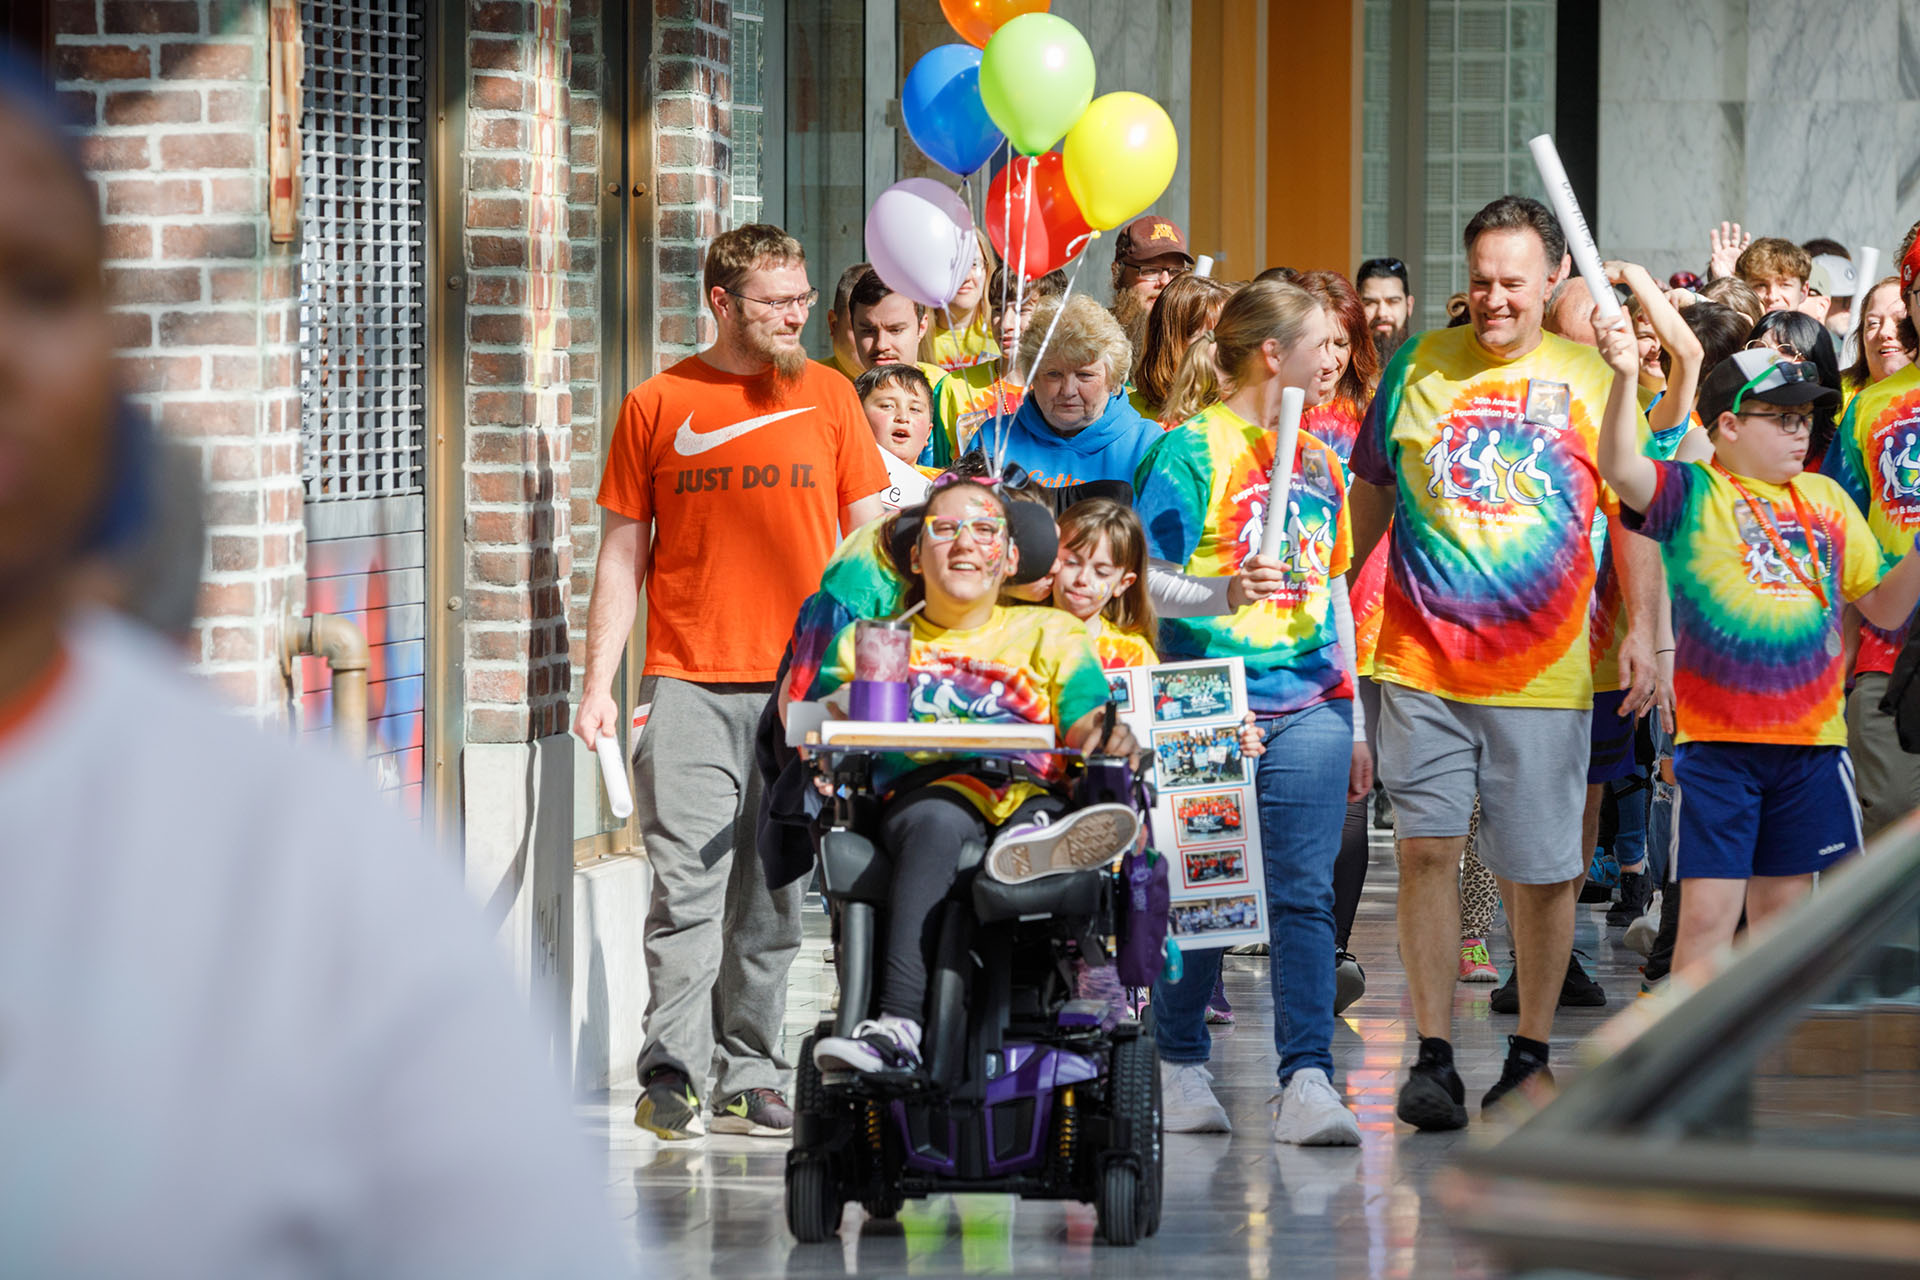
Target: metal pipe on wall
344	649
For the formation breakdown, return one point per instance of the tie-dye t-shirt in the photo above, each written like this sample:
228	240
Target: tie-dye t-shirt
1202	495
1119	649
1757	655
1875	456
1023	666
858	582
1490	570
1336	423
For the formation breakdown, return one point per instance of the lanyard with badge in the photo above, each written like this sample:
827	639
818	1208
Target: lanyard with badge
1807	521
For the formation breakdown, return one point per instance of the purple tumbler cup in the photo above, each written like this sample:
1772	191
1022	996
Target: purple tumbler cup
881	648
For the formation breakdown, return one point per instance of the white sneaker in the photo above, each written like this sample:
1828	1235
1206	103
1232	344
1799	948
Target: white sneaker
878	1044
1643	932
1312	1113
1080	841
1187	1101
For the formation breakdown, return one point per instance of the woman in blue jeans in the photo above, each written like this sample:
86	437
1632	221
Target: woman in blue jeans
1203	499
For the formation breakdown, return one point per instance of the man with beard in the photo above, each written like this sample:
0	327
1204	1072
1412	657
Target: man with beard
1149	252
728	478
1388	300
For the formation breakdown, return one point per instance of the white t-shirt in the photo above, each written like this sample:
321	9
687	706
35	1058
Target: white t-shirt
249	1026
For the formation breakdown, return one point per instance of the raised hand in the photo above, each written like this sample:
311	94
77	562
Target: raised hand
1725	243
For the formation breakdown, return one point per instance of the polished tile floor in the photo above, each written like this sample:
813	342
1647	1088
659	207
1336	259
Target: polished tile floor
1236	1205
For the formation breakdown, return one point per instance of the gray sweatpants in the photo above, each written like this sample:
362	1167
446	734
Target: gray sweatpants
718	941
1887	777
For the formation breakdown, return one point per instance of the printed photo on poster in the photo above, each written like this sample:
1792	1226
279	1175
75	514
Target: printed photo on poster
1208	818
1198	917
1120	689
1198	757
1194	691
1214	868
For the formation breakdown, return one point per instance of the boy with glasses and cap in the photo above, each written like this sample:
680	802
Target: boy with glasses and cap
1761	559
1149	252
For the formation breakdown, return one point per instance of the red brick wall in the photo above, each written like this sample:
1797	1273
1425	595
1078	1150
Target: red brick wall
518	398
174	93
693	84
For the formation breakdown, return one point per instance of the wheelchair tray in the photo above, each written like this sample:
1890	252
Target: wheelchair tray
918	737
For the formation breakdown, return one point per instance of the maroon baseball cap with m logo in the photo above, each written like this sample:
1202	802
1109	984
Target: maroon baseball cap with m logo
1147	237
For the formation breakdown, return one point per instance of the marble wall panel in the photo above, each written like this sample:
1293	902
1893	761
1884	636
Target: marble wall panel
1673	50
1659	206
1819	169
1823	50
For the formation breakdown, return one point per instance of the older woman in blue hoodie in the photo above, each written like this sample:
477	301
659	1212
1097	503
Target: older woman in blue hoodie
1075	424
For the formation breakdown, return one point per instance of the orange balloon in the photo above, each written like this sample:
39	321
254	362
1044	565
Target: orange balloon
977	20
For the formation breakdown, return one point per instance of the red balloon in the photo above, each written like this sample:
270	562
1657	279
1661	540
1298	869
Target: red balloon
1053	230
977	20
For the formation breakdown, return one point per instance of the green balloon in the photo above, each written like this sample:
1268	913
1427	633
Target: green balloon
1036	79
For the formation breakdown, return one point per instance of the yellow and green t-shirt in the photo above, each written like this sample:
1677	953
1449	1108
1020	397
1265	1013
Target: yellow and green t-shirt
1023	666
1491	559
1119	649
1757	654
1201	493
1875	455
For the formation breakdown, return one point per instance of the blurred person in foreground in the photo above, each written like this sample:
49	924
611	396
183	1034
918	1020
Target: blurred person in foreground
248	1026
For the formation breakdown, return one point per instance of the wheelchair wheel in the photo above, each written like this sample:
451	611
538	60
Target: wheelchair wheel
1119	1202
813	1201
1135	1090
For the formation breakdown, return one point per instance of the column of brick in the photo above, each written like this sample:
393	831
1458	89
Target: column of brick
518	399
693	77
173	97
589	344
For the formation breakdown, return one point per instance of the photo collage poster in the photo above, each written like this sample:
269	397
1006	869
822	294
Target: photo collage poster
1206	821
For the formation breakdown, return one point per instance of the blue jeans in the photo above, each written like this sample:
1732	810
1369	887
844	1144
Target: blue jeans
1302	789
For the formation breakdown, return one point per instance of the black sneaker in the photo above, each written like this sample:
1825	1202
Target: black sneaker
758	1113
1580	991
668	1105
1519	1068
1382	811
1433	1099
1349	981
1636	895
1505	998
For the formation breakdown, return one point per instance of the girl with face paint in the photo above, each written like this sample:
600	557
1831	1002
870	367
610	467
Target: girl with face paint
974	660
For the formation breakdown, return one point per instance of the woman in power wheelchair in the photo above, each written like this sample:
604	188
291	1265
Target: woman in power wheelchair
990	876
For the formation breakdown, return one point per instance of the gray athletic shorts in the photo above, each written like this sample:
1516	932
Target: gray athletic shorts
1527	764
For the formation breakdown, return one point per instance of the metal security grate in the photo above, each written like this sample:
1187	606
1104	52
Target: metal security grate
363	250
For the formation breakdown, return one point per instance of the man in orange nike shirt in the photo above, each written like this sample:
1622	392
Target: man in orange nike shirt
729	476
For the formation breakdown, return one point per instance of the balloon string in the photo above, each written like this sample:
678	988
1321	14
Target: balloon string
1006	361
1060	308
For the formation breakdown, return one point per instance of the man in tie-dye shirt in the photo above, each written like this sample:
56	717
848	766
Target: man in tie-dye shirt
1479	447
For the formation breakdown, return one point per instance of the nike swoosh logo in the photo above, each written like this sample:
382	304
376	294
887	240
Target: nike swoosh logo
687	442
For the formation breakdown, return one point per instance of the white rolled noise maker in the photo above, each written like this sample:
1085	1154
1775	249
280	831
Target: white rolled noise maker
613	772
1586	255
1293	403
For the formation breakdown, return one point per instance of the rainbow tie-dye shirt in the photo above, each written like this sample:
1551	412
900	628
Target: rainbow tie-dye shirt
1757	655
1875	455
1023	666
1490	571
1202	495
1119	649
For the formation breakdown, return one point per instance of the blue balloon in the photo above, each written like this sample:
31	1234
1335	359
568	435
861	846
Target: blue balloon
944	115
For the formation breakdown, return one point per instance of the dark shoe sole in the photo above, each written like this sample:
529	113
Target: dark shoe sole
1427	1106
675	1128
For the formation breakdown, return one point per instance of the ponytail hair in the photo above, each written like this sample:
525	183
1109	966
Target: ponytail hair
1214	363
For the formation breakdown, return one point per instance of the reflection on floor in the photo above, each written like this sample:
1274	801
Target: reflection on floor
1235	1205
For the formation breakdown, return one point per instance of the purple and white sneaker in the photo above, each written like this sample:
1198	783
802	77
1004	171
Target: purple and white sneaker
877	1045
1080	841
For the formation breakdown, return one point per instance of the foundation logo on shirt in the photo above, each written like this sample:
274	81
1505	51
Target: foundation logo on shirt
1311	522
1498	451
1765	568
974	689
1895	450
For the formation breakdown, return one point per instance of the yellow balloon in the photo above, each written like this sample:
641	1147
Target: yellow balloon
1119	158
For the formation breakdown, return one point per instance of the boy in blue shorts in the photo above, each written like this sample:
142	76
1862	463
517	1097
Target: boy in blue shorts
1761	559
